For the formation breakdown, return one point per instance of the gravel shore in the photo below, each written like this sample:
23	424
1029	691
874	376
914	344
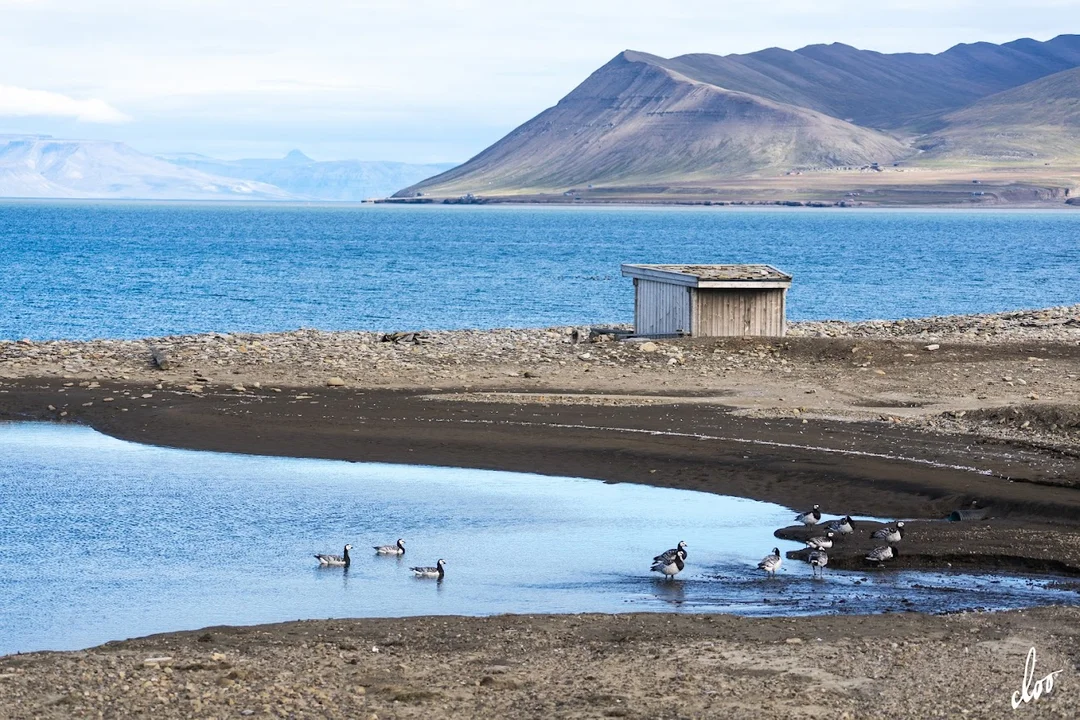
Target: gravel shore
1011	375
581	666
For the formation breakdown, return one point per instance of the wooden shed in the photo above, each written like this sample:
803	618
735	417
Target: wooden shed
709	300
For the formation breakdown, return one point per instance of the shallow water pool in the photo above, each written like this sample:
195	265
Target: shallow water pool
102	539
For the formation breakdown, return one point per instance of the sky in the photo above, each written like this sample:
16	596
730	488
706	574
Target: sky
407	80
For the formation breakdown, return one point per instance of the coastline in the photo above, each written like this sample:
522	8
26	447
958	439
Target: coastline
859	417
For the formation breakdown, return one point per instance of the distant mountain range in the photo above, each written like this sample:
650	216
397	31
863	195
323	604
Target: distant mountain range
650	126
33	166
43	167
299	175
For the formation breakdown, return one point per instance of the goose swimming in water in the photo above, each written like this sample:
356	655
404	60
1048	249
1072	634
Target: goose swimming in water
335	560
671	567
771	563
890	534
810	517
398	549
430	572
669	555
881	554
821	543
818	560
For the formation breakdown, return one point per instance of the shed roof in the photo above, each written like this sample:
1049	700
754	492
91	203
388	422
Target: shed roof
715	276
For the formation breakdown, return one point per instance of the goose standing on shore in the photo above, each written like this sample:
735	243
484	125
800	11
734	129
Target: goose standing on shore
890	534
436	572
880	554
335	560
771	563
844	526
818	560
670	567
821	543
398	549
669	555
810	517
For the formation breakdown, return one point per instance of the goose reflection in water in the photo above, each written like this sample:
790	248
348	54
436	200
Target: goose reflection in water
673	591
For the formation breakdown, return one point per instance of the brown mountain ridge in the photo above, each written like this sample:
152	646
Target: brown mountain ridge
822	122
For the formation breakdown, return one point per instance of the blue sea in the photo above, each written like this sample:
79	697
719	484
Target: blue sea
123	270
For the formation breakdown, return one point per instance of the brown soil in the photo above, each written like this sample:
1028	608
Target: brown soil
557	666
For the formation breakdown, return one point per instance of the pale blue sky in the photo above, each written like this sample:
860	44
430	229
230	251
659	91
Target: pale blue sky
412	80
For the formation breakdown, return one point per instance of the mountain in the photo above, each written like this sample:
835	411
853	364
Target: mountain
635	121
43	167
1036	121
643	125
296	173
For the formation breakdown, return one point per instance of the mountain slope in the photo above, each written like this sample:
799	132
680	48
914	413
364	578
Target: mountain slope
348	180
1039	121
642	124
636	121
42	167
882	90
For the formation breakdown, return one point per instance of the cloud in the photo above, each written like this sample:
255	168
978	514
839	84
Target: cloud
21	102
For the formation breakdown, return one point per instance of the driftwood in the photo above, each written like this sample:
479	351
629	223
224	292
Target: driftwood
416	338
160	358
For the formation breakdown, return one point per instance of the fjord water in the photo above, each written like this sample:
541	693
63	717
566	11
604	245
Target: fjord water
102	539
91	269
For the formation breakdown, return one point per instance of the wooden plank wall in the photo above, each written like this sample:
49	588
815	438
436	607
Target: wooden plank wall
660	308
739	312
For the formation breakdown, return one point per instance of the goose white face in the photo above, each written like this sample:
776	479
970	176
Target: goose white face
348	547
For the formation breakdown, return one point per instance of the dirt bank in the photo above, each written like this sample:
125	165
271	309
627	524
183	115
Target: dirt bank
586	666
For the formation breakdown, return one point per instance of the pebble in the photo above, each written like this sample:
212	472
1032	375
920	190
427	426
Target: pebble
335	382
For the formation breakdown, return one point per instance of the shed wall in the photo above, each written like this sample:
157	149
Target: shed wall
660	308
738	312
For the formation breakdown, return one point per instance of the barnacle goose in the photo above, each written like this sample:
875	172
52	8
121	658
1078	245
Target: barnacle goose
335	560
821	543
771	563
671	567
430	572
398	549
818	560
890	534
810	517
669	555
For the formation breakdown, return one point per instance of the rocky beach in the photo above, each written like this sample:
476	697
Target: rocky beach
912	419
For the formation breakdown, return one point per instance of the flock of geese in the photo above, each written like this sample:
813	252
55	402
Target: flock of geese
436	572
671	562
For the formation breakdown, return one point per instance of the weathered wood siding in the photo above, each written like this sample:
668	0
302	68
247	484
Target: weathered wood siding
660	308
738	312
